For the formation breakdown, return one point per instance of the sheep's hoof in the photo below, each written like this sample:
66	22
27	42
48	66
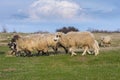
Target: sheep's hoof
83	54
96	54
74	55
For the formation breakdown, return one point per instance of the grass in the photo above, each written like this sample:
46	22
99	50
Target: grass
115	38
105	66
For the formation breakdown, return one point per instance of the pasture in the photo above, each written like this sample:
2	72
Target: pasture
105	66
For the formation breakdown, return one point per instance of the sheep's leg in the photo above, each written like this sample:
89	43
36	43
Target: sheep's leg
72	52
12	52
96	49
38	53
103	44
55	50
66	49
89	52
85	50
17	53
109	44
45	51
28	53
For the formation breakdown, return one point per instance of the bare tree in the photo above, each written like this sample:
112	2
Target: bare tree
14	31
4	29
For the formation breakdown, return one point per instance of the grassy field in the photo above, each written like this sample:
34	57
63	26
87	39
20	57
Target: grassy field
105	66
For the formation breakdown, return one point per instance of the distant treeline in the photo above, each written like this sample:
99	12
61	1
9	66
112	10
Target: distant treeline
64	30
103	31
72	28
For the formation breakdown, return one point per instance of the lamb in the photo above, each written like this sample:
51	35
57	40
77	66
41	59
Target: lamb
105	41
74	40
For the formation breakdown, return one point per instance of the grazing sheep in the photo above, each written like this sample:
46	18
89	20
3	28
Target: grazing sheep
74	40
105	41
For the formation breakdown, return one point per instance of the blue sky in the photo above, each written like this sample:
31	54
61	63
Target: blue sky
49	15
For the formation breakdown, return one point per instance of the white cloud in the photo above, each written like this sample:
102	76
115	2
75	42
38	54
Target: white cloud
54	9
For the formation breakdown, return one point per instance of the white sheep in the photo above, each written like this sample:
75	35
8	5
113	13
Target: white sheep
74	40
37	42
105	41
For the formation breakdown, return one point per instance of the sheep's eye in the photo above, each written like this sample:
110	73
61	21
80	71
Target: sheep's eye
57	36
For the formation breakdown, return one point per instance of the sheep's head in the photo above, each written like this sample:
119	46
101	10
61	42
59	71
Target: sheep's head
58	36
12	44
15	37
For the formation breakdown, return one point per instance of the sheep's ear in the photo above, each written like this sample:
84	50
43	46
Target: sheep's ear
15	37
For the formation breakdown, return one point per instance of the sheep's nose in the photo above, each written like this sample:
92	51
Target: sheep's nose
55	39
8	44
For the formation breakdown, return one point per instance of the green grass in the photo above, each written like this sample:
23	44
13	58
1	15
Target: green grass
105	66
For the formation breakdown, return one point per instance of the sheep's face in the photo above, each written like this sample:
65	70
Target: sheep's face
58	36
12	45
15	37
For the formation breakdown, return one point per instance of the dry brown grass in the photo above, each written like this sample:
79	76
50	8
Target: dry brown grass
115	38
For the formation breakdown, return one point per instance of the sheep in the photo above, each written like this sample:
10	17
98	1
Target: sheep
19	45
30	43
47	39
105	41
26	44
50	42
74	40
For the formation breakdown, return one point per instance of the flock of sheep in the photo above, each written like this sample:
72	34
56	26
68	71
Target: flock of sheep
41	43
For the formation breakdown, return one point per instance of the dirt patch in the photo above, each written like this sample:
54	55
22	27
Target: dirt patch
9	69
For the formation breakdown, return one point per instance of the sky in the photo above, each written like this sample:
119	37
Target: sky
49	15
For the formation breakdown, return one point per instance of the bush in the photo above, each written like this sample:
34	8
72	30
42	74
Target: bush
67	29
